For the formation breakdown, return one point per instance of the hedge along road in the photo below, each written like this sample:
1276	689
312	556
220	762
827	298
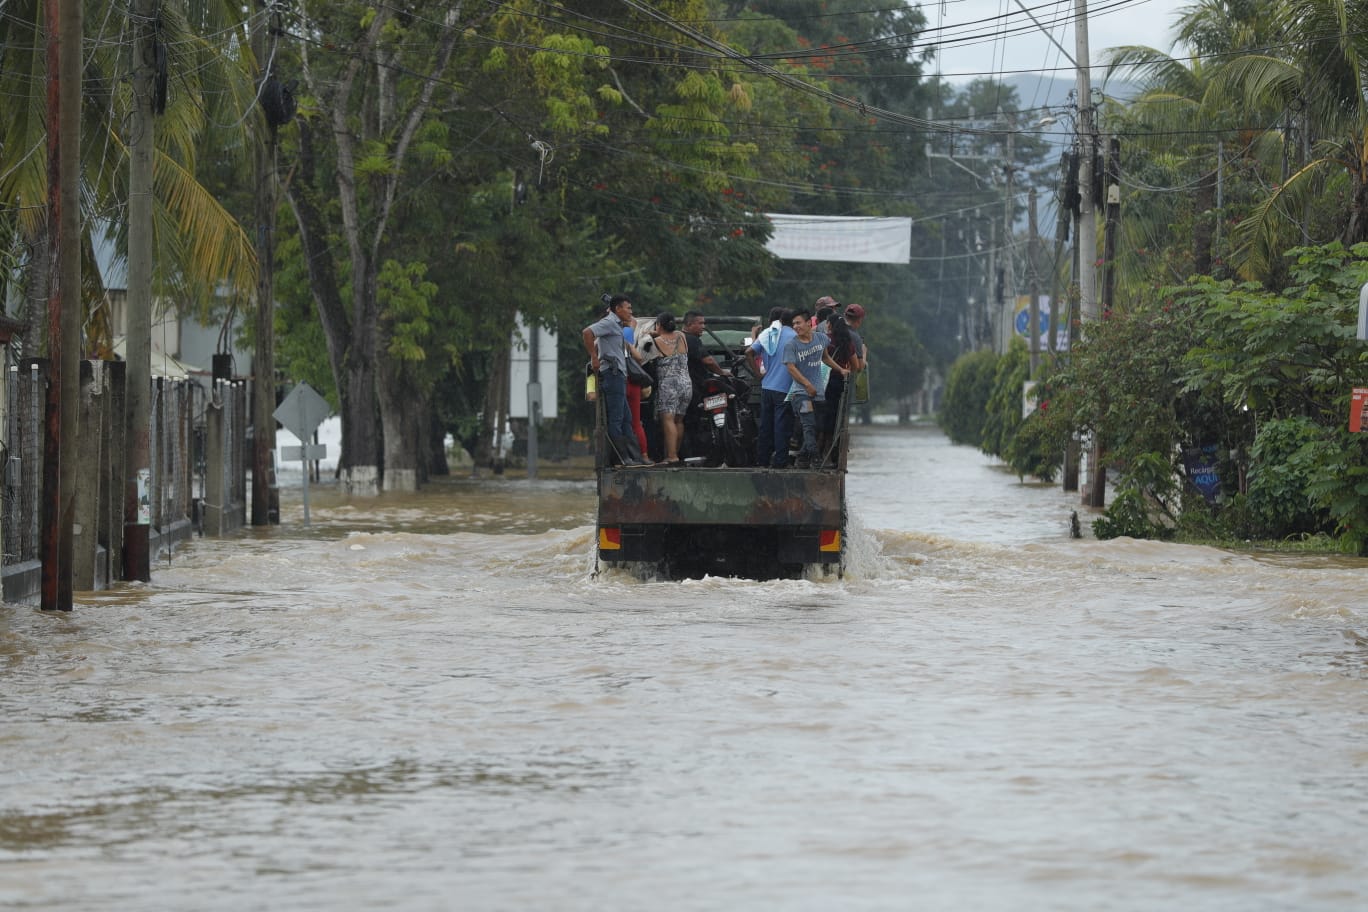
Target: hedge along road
428	701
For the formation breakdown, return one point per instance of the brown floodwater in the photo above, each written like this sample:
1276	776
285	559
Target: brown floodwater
431	702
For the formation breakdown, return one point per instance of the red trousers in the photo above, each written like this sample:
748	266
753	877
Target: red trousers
634	404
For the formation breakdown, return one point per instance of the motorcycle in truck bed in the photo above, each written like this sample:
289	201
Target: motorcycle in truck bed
715	515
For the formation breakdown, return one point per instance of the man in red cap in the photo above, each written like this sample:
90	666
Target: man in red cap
854	316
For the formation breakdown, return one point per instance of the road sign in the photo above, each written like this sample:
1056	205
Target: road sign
310	451
302	411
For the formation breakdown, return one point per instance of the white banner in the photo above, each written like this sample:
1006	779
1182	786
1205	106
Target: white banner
841	238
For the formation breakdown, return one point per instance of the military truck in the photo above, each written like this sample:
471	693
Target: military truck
698	519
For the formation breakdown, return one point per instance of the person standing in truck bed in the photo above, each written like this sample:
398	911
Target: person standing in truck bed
776	418
804	357
700	362
675	387
844	348
607	349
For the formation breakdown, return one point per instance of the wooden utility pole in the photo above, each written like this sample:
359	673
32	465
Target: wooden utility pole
64	308
265	495
1096	495
1112	224
138	320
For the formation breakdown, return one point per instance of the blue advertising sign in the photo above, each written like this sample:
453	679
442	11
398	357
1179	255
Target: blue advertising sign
1202	468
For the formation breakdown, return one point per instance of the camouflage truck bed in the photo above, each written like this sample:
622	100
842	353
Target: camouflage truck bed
696	521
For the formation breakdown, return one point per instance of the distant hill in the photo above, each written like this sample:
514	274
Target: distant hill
1035	91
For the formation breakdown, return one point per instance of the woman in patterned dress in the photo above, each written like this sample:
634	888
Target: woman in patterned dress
674	389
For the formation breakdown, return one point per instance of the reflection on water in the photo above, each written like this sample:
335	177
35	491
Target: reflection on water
428	701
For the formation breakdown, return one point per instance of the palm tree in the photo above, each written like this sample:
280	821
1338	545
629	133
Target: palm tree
1315	76
202	248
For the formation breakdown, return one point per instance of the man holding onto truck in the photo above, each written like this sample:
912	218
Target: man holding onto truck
776	418
607	349
804	356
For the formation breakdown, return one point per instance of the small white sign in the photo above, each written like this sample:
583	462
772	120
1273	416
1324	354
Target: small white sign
310	452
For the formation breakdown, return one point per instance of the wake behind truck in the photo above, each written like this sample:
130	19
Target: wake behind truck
717	514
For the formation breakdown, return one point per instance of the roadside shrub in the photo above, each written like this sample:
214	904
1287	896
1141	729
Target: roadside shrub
968	386
1282	465
1142	506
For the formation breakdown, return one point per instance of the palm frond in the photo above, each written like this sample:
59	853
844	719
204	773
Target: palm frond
1273	225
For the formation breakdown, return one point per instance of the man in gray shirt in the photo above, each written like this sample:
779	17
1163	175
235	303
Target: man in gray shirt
804	356
607	349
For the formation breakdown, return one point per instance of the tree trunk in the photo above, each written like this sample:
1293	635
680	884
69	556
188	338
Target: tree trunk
401	415
353	365
435	448
361	433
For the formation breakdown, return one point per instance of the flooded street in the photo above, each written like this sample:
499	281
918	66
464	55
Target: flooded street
430	703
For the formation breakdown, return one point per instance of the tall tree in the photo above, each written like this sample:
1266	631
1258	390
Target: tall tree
370	103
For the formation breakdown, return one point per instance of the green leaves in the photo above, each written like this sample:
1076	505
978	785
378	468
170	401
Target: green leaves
406	302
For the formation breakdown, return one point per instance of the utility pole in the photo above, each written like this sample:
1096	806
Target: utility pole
990	291
1096	495
265	495
1087	138
64	308
1033	284
1086	241
1063	216
1008	273
1113	222
138	324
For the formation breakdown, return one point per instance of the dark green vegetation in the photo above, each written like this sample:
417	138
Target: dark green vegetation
453	164
1259	379
1228	349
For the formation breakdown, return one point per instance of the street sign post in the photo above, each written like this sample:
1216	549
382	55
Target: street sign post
302	411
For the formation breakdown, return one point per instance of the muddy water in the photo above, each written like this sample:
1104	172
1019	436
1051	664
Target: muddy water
431	703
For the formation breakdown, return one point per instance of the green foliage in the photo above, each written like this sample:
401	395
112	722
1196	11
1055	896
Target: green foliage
1261	375
1139	506
1002	416
301	352
1283	463
964	410
406	302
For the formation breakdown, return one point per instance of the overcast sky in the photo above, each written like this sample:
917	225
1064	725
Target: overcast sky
984	37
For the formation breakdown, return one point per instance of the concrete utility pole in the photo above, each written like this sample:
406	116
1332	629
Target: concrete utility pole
1086	241
1008	273
138	322
265	495
1033	284
990	291
64	309
1087	139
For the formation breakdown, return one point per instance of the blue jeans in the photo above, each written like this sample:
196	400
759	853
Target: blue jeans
613	388
776	424
806	410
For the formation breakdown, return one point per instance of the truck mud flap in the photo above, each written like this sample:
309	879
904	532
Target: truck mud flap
808	546
631	543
